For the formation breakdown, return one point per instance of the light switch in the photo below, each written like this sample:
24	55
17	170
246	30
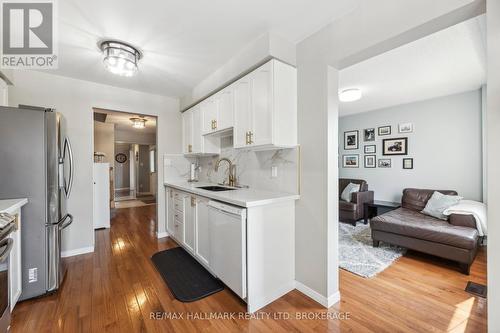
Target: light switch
274	172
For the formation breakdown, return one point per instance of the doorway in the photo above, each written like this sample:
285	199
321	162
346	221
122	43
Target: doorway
127	144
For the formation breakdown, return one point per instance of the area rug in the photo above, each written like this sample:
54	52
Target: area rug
357	254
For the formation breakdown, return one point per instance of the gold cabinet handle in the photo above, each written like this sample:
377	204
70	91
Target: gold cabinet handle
190	148
215	124
247	135
250	134
193	201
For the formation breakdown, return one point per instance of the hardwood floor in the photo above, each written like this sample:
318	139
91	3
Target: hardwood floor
116	289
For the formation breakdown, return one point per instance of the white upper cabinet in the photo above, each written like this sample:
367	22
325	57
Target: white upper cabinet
265	107
242	113
261	107
225	109
209	112
194	143
187	131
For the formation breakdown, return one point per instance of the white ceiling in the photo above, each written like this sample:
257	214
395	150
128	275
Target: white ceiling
183	41
445	63
122	121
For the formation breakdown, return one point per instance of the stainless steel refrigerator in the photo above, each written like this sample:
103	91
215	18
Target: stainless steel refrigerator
36	162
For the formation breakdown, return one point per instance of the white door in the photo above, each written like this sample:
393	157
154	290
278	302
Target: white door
189	223
197	129
262	120
101	195
225	109
209	112
202	232
242	116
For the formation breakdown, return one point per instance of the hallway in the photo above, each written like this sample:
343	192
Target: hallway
117	289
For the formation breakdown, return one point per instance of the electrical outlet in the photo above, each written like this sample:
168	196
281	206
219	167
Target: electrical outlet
274	172
32	275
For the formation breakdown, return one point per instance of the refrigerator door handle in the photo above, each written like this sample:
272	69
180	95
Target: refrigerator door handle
69	184
67	220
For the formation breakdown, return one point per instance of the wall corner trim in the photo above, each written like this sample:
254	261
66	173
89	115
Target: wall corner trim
313	294
75	252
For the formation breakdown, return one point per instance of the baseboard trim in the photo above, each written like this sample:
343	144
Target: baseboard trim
76	252
162	234
313	294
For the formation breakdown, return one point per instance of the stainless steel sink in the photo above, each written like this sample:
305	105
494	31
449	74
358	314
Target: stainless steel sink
216	188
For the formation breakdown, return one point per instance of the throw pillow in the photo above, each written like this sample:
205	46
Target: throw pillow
438	203
349	189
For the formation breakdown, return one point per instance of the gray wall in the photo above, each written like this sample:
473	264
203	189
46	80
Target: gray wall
104	140
122	170
445	146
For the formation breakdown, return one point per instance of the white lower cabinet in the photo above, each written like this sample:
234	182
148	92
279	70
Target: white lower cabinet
170	211
15	267
189	223
202	248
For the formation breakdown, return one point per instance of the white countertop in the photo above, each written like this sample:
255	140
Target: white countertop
244	197
11	205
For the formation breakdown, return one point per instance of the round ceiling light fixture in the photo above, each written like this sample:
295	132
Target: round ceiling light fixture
350	95
138	122
120	58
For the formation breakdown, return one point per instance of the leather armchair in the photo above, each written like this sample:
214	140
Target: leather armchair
353	211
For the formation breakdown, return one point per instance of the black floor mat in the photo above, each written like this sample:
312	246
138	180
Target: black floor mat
187	279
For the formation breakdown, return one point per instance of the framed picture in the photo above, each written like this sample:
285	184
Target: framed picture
370	149
384	163
407	163
350	161
384	130
121	158
406	128
396	146
351	140
369	134
370	161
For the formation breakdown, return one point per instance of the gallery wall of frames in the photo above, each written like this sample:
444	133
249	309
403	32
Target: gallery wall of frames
368	152
426	144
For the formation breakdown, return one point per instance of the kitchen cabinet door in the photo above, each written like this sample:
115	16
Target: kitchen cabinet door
189	223
170	212
242	109
202	232
197	130
209	113
15	265
261	106
225	109
187	131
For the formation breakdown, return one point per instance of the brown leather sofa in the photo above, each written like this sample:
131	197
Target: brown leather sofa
351	212
455	239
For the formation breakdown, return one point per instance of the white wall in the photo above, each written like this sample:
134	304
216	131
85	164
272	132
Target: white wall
445	146
264	47
75	99
493	164
104	140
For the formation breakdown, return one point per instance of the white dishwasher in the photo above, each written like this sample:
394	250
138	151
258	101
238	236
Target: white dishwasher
228	258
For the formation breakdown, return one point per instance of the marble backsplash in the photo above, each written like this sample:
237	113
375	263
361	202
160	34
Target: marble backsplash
253	168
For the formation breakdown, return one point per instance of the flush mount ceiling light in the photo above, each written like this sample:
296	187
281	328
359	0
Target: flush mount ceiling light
138	122
350	95
120	58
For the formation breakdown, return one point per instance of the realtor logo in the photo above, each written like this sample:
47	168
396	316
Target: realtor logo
28	34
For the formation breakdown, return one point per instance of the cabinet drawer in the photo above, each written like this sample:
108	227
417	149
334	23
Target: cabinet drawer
179	204
179	231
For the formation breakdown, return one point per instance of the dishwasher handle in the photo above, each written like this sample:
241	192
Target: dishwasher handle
229	209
